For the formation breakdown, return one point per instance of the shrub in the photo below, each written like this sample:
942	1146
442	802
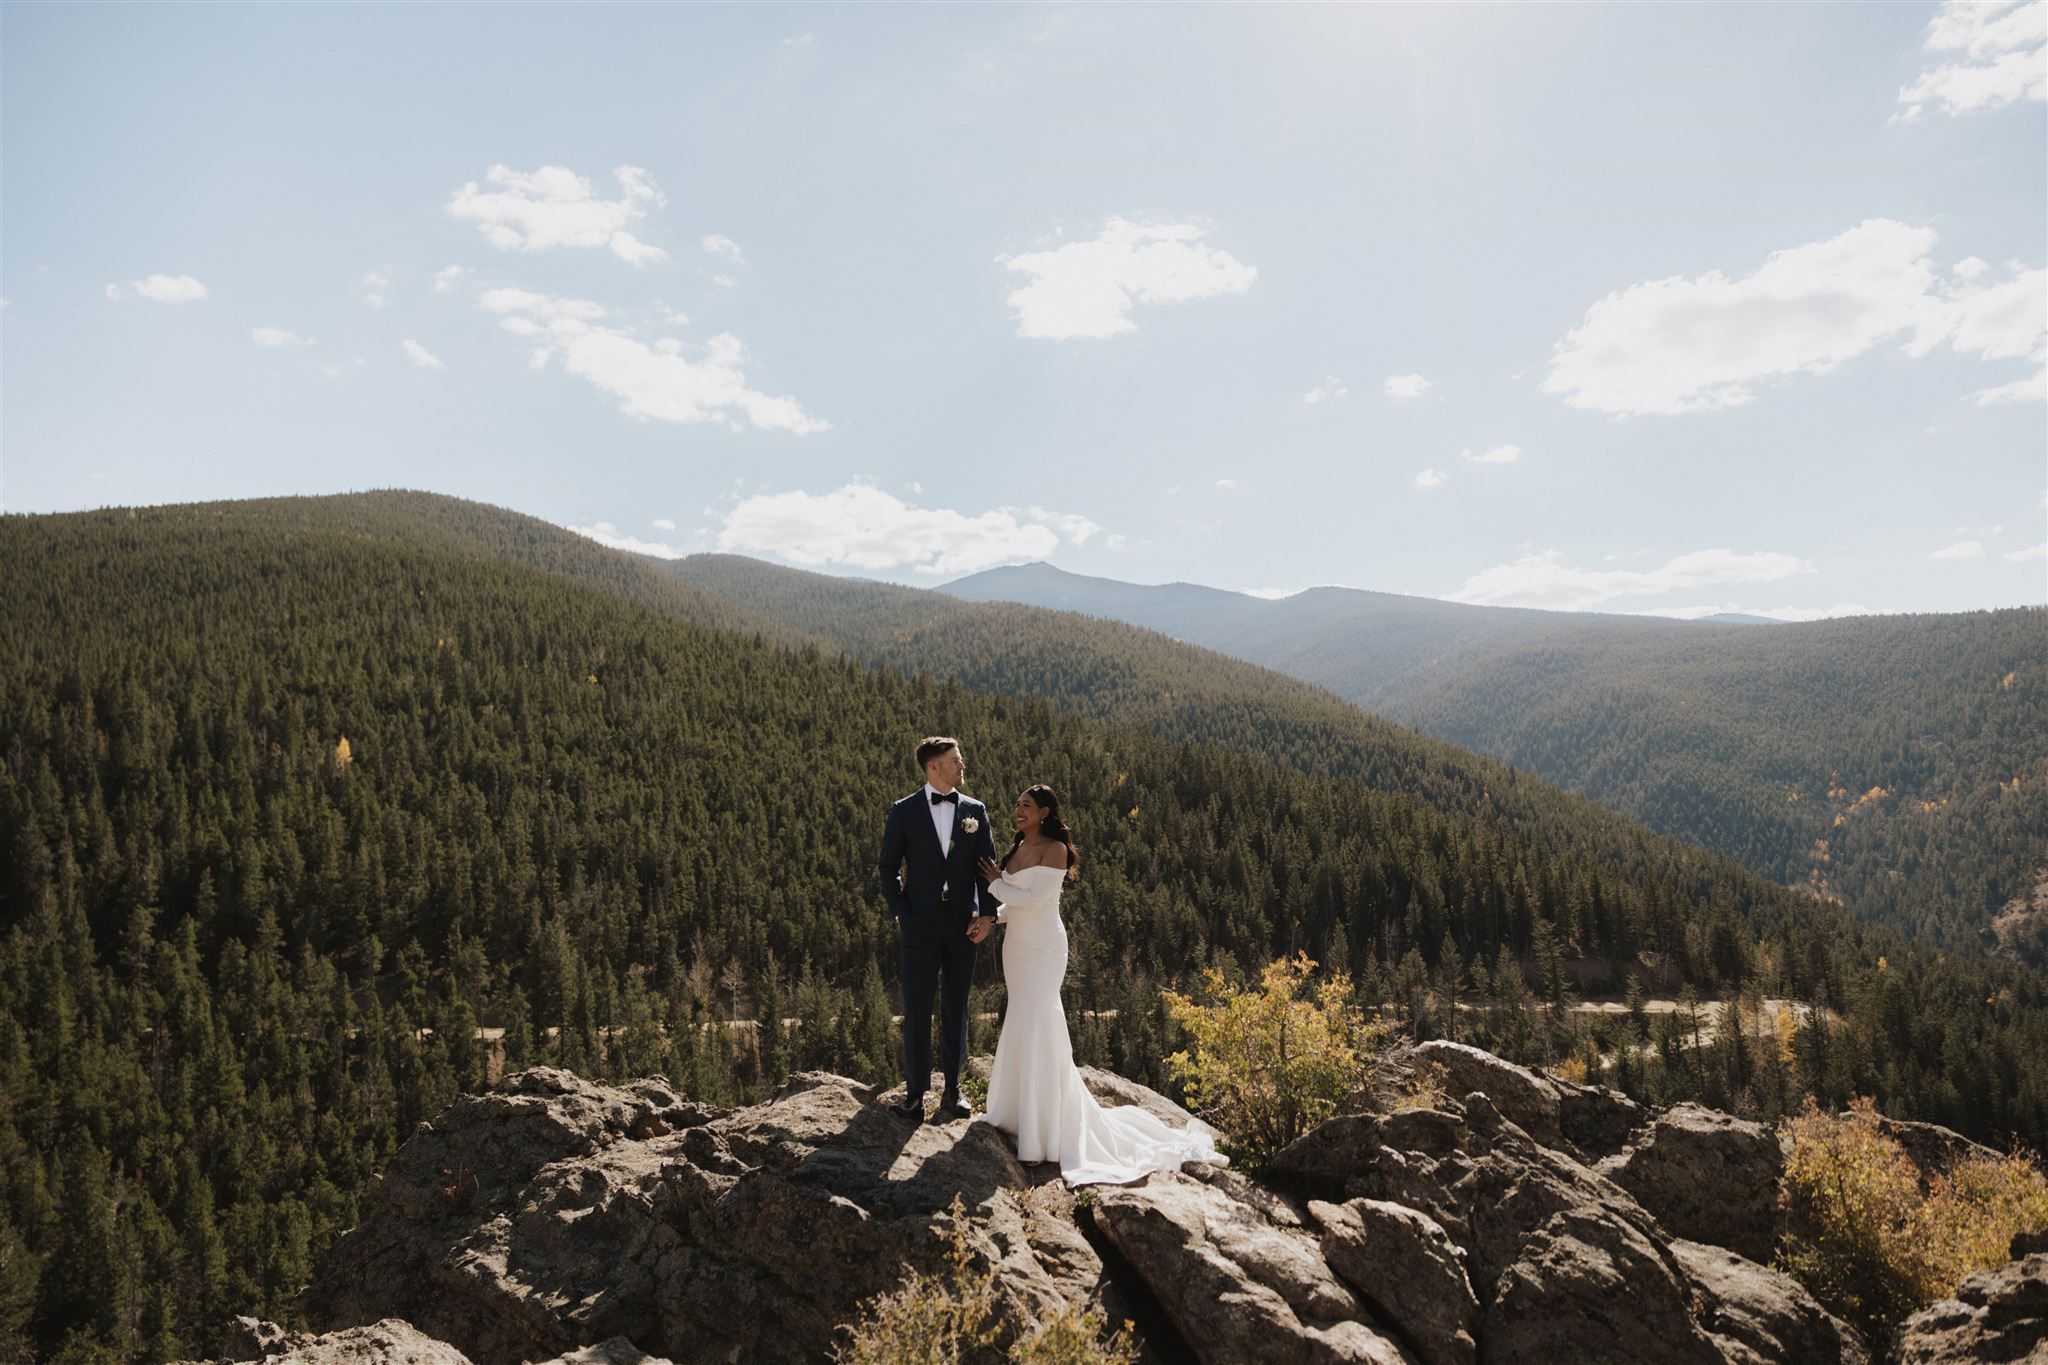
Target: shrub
1870	1241
1267	1064
945	1317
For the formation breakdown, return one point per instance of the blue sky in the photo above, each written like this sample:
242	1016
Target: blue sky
1633	308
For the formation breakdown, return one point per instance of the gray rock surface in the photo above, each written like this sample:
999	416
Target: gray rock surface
1707	1176
554	1218
1237	1285
1528	1099
1558	1256
1405	1265
1755	1314
386	1342
1997	1315
532	1220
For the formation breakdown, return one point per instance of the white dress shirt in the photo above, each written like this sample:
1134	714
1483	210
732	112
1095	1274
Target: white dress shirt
942	820
942	816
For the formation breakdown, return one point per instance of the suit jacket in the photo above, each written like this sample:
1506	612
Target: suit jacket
913	866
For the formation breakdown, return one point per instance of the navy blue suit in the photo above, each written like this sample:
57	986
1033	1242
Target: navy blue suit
938	957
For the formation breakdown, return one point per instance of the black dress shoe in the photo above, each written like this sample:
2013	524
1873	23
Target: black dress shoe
909	1107
952	1107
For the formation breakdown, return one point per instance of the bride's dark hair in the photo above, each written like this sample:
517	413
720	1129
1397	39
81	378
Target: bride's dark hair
1051	826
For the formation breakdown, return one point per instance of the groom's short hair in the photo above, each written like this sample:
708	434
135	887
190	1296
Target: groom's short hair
932	746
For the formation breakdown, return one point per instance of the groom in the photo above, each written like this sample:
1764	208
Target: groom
932	847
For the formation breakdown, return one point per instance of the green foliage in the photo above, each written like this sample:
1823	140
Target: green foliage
1762	744
1266	1064
1872	1240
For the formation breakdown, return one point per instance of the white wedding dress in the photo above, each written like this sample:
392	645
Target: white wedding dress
1035	1092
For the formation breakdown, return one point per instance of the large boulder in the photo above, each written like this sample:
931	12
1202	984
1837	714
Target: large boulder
1596	1120
1588	1286
1996	1315
1528	1099
1707	1176
1237	1283
1756	1314
1932	1147
1405	1265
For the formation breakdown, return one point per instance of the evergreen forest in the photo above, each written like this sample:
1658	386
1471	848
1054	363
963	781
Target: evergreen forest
317	812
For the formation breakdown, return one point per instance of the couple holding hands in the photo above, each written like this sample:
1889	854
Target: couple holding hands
948	888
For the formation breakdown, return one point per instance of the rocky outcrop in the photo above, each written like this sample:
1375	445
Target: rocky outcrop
1755	1314
554	1216
1560	1258
1707	1176
1405	1265
553	1212
1996	1315
388	1342
1528	1099
1239	1282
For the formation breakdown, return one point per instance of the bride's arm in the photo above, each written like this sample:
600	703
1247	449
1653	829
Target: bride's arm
1018	892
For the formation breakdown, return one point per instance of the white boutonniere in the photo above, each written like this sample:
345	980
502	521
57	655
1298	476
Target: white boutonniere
970	824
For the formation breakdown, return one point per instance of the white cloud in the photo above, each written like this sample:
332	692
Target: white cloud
659	383
1330	389
1774	613
537	359
1072	525
2031	552
507	301
1962	549
421	356
446	276
654	381
725	281
800	40
1087	289
163	289
555	207
1404	386
663	524
1227	485
332	371
862	527
1500	454
2004	321
278	336
718	244
2031	388
604	533
1687	345
1429	478
1545	580
2008	62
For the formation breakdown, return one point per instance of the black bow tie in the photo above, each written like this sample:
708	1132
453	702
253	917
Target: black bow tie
937	797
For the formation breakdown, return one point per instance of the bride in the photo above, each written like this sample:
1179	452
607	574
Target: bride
1035	1092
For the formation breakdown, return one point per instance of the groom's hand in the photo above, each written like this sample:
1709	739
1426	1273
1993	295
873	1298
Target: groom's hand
977	928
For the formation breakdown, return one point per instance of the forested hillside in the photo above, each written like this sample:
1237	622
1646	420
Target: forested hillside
1898	764
297	796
